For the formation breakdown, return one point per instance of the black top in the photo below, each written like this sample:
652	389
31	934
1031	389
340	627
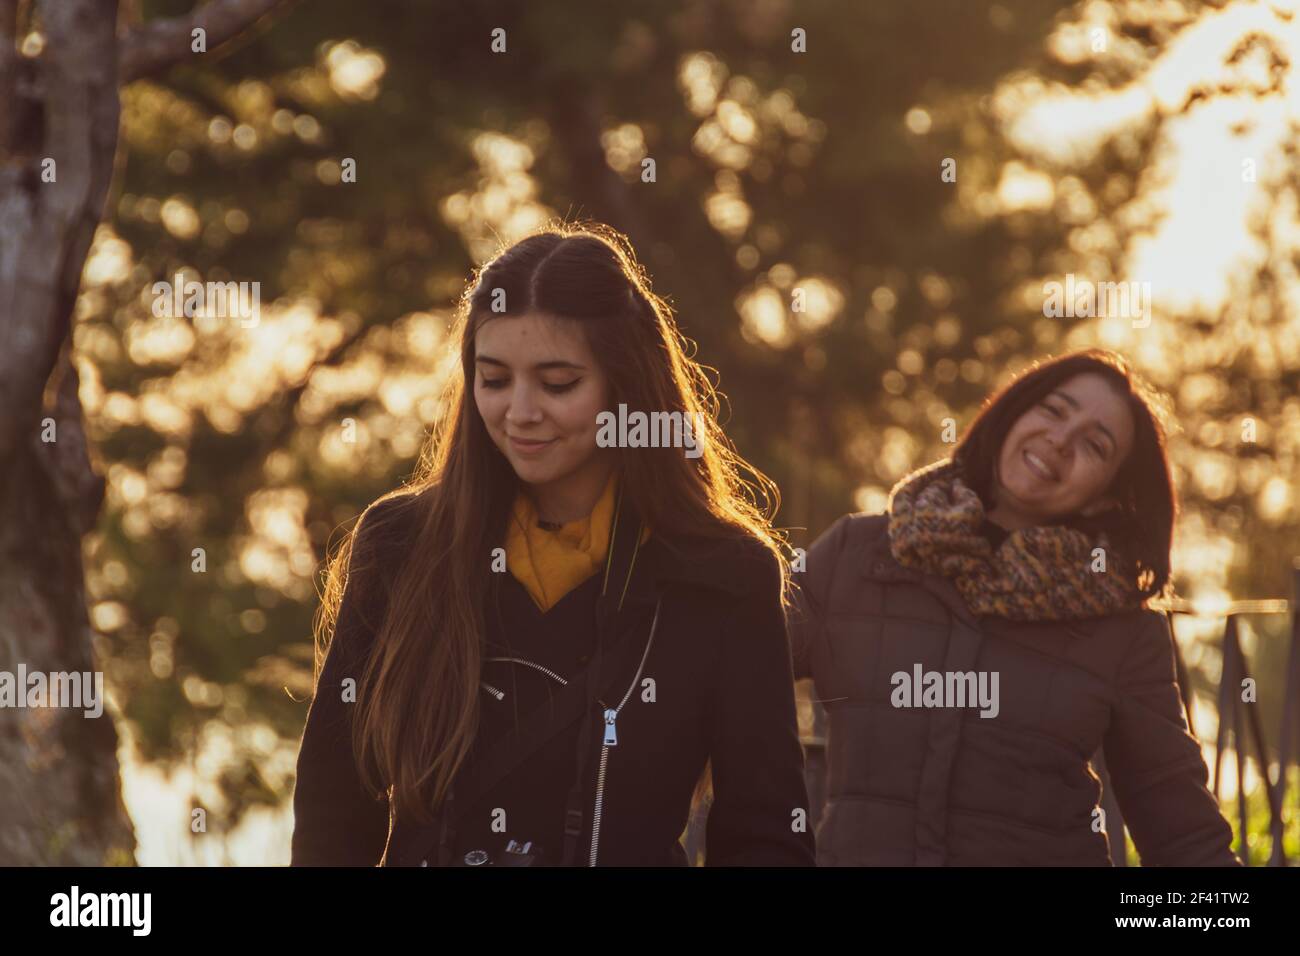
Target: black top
713	686
528	805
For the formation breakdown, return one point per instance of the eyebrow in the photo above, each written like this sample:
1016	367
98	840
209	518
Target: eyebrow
1069	399
540	366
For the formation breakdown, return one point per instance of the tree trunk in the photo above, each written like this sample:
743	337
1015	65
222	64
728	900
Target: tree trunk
60	800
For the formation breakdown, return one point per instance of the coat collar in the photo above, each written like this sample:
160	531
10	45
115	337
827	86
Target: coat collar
709	564
877	562
660	560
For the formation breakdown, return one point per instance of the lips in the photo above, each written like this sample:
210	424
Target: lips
1039	467
528	445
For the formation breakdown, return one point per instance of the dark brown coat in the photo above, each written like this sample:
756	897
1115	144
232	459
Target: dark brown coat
945	786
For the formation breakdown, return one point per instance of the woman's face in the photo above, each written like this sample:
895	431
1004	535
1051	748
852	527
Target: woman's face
1061	455
538	390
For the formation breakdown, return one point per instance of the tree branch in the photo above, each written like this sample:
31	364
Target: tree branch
154	47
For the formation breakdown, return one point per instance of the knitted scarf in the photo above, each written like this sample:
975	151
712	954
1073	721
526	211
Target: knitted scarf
1038	574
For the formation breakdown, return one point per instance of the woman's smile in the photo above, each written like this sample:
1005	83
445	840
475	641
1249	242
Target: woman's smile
1039	467
530	446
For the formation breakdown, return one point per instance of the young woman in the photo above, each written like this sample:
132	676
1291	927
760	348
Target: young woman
977	644
545	636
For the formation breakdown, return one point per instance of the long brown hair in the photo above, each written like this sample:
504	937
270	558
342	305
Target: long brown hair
417	697
1143	525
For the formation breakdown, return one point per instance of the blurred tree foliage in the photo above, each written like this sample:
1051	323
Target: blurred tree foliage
779	175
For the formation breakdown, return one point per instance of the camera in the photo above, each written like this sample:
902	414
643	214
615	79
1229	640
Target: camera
515	854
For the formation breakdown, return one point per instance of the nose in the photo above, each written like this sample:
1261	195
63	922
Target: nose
1056	440
522	409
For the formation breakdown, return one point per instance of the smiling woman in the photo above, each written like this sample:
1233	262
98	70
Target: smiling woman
1023	563
539	390
1062	456
1078	442
542	642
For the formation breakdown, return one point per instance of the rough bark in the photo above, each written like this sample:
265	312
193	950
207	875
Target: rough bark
60	796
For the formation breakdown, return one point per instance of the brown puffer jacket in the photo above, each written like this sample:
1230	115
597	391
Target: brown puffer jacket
944	786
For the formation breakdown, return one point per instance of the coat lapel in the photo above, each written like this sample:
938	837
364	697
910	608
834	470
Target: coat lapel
879	564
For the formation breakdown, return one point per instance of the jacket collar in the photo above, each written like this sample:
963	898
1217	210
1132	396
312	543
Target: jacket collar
660	560
877	562
705	564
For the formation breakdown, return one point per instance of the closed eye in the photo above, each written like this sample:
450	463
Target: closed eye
493	382
562	387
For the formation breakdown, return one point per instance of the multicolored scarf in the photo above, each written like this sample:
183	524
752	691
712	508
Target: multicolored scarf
1042	573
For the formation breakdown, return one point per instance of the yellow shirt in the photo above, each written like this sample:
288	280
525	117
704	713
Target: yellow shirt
550	564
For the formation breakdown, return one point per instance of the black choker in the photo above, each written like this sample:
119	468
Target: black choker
548	525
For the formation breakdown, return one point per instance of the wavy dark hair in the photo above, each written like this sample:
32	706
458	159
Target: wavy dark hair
417	697
1141	528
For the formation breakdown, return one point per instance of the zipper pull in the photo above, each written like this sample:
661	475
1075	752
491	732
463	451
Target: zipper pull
611	738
